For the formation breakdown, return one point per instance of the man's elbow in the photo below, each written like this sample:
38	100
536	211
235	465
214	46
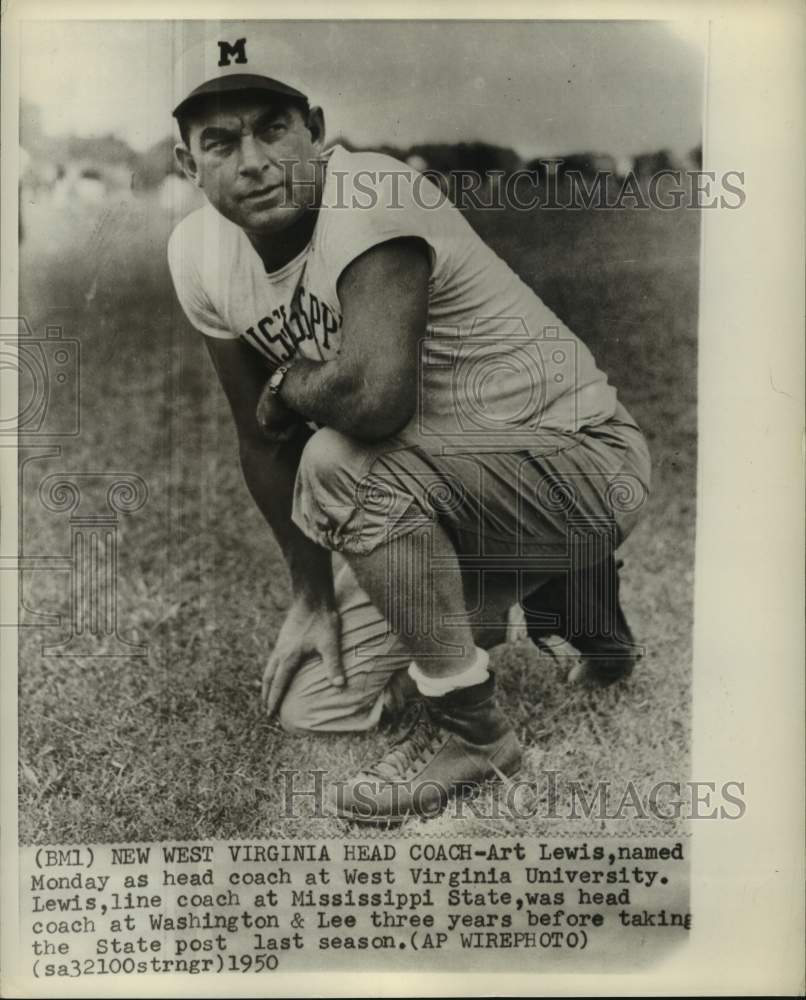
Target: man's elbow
381	416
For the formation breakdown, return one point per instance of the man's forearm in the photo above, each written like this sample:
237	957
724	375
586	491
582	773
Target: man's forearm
328	394
270	470
319	391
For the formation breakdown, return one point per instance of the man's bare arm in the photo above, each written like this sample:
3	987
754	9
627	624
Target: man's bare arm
270	467
369	390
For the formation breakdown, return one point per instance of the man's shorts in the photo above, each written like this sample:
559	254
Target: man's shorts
516	516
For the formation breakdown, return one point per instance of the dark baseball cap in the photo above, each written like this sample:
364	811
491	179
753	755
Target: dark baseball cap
222	66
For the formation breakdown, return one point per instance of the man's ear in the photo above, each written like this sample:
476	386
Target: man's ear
316	126
187	163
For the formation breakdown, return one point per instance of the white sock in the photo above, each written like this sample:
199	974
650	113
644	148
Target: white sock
435	687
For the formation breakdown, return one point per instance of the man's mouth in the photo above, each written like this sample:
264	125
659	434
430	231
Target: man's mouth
260	193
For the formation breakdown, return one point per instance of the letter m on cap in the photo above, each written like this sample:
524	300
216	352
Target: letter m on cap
228	52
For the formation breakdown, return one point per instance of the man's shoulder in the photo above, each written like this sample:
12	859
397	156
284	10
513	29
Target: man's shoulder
188	227
201	227
367	180
372	198
366	160
369	192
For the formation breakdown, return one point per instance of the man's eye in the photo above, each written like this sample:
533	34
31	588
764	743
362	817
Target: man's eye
218	145
273	129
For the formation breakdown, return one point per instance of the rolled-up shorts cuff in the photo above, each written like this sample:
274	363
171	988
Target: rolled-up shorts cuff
349	497
361	532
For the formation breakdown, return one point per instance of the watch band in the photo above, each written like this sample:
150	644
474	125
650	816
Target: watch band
276	379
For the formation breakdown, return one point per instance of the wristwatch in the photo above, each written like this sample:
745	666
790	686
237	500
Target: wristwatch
276	379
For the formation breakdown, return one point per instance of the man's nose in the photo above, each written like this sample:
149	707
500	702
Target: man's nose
253	156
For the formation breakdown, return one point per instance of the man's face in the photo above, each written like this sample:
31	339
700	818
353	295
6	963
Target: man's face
257	160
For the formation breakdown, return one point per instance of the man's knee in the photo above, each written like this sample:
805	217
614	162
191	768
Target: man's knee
331	462
325	490
324	709
295	715
351	497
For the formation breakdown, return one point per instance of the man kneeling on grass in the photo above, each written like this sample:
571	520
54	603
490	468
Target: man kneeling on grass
427	440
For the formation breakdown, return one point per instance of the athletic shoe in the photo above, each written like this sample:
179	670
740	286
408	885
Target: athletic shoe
586	611
453	744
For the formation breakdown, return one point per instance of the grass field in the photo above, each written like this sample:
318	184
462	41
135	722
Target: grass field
173	745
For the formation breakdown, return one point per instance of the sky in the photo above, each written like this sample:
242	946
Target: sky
542	88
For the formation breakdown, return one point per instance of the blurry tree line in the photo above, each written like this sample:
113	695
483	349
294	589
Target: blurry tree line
109	159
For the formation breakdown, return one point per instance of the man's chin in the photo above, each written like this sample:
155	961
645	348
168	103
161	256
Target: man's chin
270	221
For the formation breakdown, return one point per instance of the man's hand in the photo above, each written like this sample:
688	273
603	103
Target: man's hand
307	630
276	421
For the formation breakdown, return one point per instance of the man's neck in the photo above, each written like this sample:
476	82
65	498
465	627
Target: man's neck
277	250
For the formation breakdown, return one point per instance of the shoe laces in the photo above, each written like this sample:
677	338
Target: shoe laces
546	648
421	738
